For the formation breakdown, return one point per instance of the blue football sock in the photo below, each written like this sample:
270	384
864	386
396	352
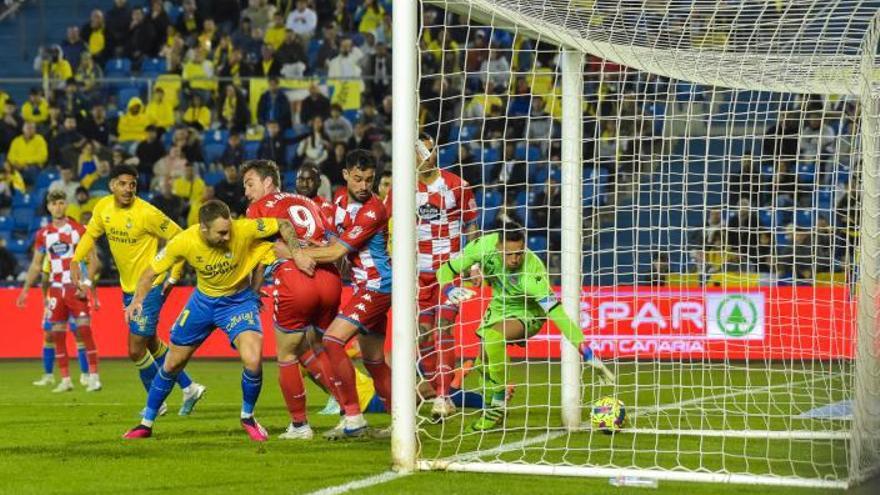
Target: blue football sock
464	398
48	358
83	359
159	390
147	369
183	378
251	383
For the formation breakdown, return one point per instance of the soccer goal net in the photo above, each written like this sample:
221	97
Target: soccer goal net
699	179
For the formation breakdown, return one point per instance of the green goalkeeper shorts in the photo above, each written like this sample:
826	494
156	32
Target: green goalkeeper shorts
533	319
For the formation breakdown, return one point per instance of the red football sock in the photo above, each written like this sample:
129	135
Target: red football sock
293	390
327	372
60	339
312	363
343	374
381	374
446	371
428	358
85	333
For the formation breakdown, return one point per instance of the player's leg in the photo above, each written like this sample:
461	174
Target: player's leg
373	352
78	307
335	338
250	347
48	377
292	387
58	316
427	320
82	355
494	336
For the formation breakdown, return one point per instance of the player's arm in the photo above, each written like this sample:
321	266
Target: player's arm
34	271
366	224
165	228
84	247
94	268
330	253
305	263
472	253
170	255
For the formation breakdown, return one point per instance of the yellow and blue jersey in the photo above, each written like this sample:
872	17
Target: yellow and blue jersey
221	271
133	234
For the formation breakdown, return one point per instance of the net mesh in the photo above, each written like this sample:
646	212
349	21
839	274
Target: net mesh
721	198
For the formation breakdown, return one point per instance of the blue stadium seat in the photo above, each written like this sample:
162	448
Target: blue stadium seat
117	67
125	94
807	172
6	224
152	67
357	39
6	236
24	200
843	173
491	155
213	152
448	156
212	178
527	153
216	136
146	196
805	218
491	199
21	218
290	155
250	149
38	223
18	246
488	217
46	177
825	198
467	133
537	244
765	216
289	179
312	52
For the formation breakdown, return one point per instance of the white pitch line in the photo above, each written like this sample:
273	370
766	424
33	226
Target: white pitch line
369	481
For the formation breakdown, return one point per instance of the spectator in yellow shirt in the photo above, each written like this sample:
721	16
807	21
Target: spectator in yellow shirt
28	153
36	108
197	115
132	127
369	16
159	110
93	34
199	74
191	189
276	31
10	181
54	67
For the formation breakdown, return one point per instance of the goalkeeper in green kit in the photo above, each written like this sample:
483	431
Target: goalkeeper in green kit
522	300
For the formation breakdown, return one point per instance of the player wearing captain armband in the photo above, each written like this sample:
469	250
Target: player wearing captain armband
522	301
228	257
134	228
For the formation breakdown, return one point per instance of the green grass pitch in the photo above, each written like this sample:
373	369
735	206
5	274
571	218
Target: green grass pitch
70	443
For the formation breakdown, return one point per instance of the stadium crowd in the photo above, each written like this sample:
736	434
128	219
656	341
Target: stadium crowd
497	126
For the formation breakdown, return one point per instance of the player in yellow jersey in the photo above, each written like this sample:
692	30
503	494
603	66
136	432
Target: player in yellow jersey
133	228
228	257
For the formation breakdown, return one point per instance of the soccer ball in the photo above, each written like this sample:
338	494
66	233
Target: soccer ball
608	415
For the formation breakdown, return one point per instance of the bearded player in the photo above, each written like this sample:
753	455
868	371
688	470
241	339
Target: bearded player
522	302
446	211
133	228
228	257
55	244
303	304
362	225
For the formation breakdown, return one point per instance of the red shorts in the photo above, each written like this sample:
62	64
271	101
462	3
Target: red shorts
301	301
64	304
368	310
431	299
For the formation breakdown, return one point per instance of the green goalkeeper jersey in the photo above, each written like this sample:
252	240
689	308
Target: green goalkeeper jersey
523	291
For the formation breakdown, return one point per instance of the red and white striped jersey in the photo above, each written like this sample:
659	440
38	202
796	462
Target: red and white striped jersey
327	206
445	207
363	230
309	220
59	243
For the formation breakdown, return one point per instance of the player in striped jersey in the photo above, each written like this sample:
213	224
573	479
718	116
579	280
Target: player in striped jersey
447	211
64	299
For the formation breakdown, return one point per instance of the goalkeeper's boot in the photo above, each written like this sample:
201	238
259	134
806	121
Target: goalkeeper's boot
255	430
331	409
492	418
65	386
138	432
442	408
191	395
301	432
47	379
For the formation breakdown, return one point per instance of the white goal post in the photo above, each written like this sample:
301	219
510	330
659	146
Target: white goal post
693	88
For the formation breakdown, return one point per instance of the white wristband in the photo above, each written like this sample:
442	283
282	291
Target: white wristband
87	282
171	281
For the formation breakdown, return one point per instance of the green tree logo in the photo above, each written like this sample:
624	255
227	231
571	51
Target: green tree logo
737	322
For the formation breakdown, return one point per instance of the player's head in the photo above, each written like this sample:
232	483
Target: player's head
123	184
307	180
56	203
426	154
384	186
215	223
260	177
512	244
359	174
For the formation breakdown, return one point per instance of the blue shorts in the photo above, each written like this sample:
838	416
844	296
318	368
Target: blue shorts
145	324
233	314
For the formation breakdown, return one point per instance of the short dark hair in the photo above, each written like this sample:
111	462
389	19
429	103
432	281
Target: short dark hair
212	210
311	167
385	173
263	168
512	232
56	195
123	169
359	159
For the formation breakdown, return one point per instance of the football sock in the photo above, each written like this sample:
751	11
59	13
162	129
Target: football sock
60	339
494	361
293	390
48	357
427	358
161	386
85	333
381	374
251	384
82	357
147	369
312	362
183	378
465	398
446	369
343	373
